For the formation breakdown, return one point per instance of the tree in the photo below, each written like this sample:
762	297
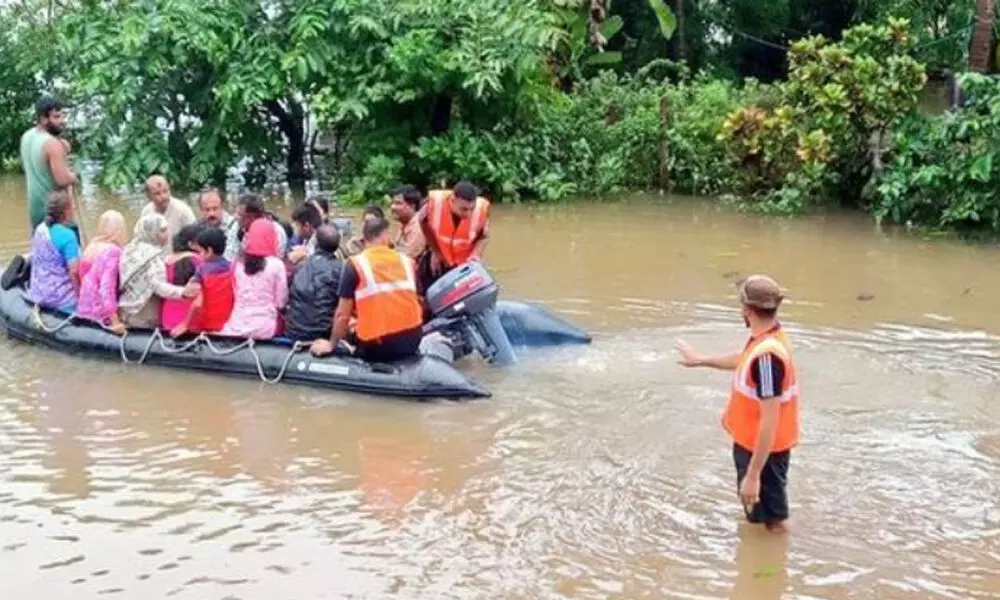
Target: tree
149	71
22	76
186	88
938	27
981	51
404	69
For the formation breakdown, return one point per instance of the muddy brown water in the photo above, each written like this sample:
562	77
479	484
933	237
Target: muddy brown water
597	472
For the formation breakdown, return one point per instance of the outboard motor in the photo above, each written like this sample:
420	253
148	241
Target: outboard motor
463	308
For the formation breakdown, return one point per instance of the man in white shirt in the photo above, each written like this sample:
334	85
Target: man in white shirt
178	214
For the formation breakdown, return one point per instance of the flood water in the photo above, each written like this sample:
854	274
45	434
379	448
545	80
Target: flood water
597	472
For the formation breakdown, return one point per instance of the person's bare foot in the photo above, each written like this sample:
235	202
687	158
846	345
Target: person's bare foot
779	526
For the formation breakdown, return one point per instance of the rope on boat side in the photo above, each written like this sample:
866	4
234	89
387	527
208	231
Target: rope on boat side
296	347
37	314
226	351
249	344
145	353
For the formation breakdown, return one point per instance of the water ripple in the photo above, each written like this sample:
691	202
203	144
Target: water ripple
596	472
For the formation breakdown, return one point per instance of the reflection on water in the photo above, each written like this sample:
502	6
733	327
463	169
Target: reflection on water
597	472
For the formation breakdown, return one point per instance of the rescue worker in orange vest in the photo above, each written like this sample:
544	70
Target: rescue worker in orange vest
762	416
456	227
380	287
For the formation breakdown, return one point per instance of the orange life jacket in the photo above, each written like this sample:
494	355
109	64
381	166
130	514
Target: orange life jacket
456	243
742	416
386	298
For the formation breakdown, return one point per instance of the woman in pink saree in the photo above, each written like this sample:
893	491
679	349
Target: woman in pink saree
99	272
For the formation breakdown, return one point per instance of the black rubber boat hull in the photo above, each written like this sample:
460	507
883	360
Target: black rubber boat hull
531	326
422	377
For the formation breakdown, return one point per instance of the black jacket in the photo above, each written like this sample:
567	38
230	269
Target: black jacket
312	297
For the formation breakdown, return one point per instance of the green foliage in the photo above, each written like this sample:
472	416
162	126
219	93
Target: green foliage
839	101
601	139
940	28
665	17
944	170
19	88
152	70
698	163
381	174
539	99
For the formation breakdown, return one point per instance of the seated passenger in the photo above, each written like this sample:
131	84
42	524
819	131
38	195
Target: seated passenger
380	285
181	266
322	204
99	272
312	297
213	281
55	257
307	220
356	245
250	208
142	274
261	286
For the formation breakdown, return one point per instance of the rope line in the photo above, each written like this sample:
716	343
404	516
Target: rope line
248	344
37	314
145	353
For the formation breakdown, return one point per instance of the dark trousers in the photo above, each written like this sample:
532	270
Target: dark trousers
773	504
424	274
391	348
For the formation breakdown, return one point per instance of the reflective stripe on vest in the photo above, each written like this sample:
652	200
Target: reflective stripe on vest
741	418
388	306
371	288
743	381
455	245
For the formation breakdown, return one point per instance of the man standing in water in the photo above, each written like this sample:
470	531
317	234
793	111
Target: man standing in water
44	158
762	417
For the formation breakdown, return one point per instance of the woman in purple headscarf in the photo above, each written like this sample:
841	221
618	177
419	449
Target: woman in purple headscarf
55	257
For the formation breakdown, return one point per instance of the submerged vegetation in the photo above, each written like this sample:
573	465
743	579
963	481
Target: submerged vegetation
782	106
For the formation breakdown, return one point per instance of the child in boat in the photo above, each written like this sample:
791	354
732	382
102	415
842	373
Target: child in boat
260	284
181	267
212	285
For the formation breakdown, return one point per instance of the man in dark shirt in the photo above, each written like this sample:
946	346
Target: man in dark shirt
312	296
388	305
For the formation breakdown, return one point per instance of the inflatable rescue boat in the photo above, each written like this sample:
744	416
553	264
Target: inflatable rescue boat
467	318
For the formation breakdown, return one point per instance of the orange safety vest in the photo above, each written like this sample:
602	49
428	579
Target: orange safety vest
456	243
386	298
742	416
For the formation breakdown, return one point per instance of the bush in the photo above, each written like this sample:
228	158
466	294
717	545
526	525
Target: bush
698	163
944	171
839	103
601	139
381	173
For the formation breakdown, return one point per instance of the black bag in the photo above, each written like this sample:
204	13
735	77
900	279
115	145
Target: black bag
18	273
